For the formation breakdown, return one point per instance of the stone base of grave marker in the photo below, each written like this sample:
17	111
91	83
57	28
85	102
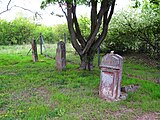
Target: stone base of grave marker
61	56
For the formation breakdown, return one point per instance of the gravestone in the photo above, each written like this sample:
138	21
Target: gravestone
61	56
34	51
111	77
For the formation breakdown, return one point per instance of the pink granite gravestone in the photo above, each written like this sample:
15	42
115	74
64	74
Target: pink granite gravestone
111	77
61	56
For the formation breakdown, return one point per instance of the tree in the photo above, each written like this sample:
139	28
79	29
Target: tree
100	18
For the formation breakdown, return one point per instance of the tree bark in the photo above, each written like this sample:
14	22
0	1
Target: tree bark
86	62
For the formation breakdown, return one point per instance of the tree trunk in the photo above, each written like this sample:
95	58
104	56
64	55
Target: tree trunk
86	48
86	62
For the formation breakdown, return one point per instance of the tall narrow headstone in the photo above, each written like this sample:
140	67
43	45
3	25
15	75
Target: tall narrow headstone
61	56
111	77
34	51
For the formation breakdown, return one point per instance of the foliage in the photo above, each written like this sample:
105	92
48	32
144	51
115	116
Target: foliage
134	32
37	91
59	31
3	32
21	31
84	23
149	5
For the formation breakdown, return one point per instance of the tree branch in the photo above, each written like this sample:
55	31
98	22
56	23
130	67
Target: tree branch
28	10
62	9
93	15
111	11
106	20
8	4
8	9
93	35
71	29
78	31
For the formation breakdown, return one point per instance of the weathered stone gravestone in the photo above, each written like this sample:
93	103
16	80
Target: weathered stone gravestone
111	77
34	51
61	56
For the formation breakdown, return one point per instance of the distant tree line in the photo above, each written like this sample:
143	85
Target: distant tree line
21	31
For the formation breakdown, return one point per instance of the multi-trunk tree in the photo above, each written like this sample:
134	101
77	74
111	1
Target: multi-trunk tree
100	18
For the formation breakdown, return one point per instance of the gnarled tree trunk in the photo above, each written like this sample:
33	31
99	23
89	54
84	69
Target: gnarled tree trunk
86	61
86	48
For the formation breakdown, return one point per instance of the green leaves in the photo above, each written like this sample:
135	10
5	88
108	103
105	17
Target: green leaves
134	32
21	30
136	4
147	5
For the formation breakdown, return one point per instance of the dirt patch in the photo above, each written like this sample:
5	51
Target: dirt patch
140	77
40	93
143	59
123	113
131	114
149	116
8	73
119	113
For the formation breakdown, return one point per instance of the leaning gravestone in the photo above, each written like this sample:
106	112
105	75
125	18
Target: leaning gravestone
111	77
34	51
61	56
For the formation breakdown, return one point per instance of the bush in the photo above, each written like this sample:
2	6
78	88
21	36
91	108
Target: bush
134	32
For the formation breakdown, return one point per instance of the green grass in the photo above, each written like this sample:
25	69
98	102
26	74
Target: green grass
36	91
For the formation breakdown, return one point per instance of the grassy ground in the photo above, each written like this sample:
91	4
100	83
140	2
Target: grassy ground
36	91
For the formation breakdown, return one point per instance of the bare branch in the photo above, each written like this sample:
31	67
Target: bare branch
8	4
28	10
3	11
62	8
8	9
